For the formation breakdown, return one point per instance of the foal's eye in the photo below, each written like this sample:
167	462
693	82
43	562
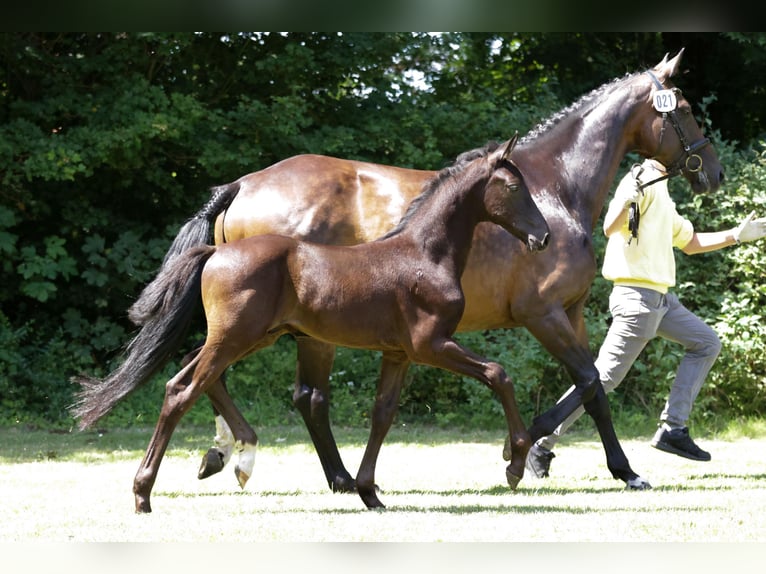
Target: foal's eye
513	187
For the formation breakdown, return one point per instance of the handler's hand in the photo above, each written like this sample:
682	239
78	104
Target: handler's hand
626	194
750	229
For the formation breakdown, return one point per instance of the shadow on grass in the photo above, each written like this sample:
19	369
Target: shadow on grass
451	505
30	445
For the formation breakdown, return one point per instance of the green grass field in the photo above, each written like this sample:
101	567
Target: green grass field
437	486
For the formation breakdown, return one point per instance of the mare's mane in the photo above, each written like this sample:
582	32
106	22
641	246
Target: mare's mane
436	182
539	130
586	100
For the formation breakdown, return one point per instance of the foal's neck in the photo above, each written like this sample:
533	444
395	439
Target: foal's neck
443	226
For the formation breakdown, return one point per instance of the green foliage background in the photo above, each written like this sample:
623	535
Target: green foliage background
108	142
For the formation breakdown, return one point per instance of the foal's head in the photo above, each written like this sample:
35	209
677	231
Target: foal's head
509	203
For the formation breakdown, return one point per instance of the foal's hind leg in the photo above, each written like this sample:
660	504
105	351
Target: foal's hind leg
181	392
217	456
242	438
312	399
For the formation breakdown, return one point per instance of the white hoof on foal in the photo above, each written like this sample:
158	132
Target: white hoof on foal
638	483
244	468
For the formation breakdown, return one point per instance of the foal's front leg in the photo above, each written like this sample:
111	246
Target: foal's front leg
392	372
448	354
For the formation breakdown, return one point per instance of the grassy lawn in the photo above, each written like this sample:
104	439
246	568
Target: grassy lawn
437	485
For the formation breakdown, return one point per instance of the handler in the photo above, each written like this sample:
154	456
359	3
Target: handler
639	260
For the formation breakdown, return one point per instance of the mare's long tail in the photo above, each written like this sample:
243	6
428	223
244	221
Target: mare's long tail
175	294
195	232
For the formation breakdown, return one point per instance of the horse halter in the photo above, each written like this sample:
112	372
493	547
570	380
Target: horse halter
689	160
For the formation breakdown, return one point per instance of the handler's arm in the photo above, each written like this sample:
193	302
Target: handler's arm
748	230
709	241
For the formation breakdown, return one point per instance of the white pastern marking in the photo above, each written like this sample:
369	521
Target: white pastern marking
246	462
224	438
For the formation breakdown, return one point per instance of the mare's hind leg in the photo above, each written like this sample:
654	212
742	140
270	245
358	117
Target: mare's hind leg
312	399
392	372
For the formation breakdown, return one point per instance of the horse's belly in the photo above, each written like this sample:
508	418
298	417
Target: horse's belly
351	328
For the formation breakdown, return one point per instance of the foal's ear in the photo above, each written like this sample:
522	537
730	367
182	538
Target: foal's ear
509	147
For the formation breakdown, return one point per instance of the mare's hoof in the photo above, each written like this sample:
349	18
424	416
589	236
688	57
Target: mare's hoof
143	506
638	483
212	463
242	476
513	480
343	485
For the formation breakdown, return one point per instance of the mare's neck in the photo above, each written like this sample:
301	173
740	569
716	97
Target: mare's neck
584	154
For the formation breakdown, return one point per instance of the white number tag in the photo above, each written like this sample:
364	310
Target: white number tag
665	100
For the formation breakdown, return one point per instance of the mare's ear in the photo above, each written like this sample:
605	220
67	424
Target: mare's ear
509	147
668	68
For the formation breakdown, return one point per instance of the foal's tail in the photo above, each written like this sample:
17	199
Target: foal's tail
195	232
175	294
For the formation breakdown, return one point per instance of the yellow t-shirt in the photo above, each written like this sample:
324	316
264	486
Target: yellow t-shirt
648	261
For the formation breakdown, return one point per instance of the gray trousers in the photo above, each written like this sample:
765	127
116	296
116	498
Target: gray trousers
639	315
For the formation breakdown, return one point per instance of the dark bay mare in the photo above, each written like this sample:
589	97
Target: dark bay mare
569	163
400	294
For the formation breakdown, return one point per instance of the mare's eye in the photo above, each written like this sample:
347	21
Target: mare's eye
513	187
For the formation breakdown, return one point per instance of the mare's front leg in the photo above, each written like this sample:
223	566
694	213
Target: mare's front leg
181	392
312	399
392	372
564	336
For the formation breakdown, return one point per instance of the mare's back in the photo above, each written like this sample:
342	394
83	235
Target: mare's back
321	199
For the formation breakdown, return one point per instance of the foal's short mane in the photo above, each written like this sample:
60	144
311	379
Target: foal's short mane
592	96
433	184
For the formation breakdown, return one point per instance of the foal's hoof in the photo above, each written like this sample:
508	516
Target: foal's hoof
638	483
513	480
242	476
212	463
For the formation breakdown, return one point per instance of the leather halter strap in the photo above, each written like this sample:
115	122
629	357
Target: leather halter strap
689	159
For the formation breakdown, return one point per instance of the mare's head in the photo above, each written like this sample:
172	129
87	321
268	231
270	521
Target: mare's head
509	203
671	135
